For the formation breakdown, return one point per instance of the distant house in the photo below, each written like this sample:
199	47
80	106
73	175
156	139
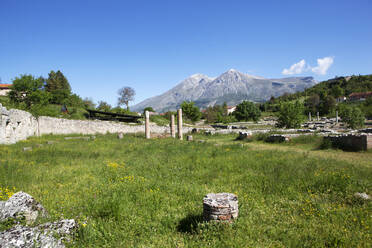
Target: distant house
360	96
341	99
4	89
230	109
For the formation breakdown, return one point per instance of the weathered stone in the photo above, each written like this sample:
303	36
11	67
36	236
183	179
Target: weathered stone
40	236
363	196
209	132
277	138
16	125
244	135
21	204
120	135
351	142
220	207
189	138
27	148
179	124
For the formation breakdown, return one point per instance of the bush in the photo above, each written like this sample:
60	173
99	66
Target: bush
191	111
246	111
352	116
290	114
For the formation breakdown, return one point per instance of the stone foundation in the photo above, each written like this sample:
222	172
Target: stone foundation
351	142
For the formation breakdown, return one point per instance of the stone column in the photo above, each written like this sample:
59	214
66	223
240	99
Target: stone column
317	115
309	116
147	124
220	207
336	117
172	127
179	124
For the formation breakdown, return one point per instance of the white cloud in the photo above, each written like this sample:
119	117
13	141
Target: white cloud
297	68
323	65
321	69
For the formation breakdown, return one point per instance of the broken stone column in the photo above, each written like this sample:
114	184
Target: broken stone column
120	135
317	115
147	124
336	117
172	127
309	116
179	124
220	207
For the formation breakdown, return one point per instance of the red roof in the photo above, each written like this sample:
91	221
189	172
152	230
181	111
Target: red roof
5	85
358	95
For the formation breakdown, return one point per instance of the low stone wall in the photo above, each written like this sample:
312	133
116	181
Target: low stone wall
16	125
50	125
351	142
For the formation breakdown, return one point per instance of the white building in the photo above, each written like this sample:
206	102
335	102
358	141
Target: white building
4	89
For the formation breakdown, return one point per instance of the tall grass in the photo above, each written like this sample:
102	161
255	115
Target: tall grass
148	193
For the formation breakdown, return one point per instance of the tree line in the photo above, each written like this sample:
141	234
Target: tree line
43	95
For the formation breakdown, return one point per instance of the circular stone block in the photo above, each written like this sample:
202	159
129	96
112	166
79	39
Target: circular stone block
220	207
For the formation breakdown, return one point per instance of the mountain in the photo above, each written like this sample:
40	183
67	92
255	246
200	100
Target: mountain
231	87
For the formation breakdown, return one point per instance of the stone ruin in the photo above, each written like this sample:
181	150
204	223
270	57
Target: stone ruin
220	207
350	142
23	206
16	125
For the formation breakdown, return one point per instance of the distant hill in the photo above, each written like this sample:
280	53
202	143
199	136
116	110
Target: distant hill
231	87
338	86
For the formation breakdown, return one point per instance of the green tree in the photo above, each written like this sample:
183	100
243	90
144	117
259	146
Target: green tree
328	105
191	111
89	103
246	111
150	109
28	90
290	114
352	116
103	106
225	109
367	107
312	103
58	86
337	91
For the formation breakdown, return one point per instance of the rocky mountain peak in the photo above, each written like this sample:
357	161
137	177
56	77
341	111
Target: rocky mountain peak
232	87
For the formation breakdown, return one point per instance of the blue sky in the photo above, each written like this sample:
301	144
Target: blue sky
151	46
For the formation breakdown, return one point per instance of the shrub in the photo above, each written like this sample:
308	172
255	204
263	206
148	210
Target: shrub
246	111
191	111
352	116
290	114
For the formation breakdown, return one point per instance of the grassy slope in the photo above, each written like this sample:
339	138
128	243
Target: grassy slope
148	193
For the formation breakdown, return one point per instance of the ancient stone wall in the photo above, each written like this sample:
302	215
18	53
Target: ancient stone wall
351	142
16	125
50	125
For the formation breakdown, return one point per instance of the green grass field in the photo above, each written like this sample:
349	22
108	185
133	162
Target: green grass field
148	193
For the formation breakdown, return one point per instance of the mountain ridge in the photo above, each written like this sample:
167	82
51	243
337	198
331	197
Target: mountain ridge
231	86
